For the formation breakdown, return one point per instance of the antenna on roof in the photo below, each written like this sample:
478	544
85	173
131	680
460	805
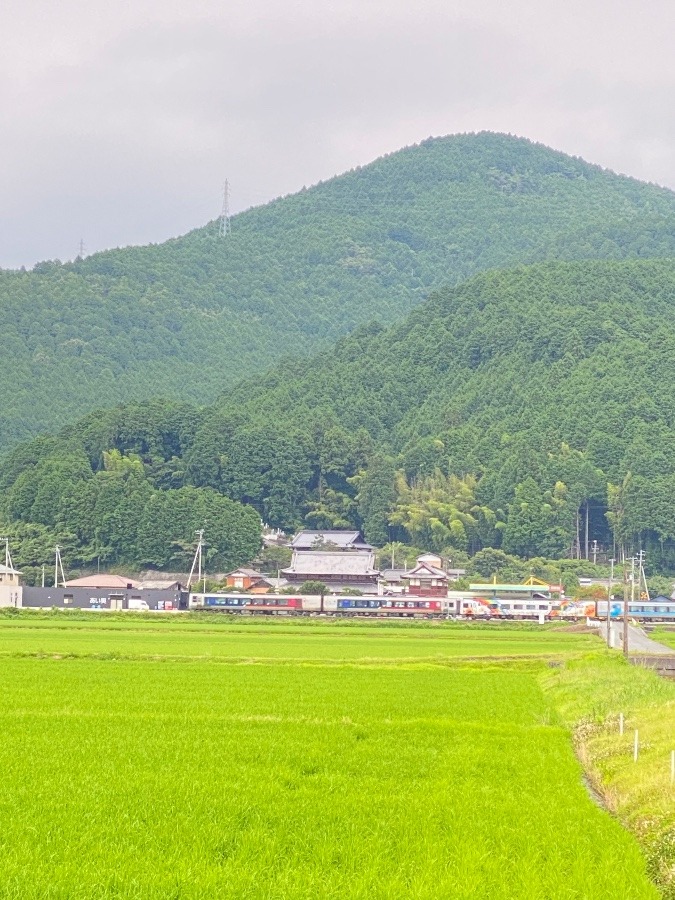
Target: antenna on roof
224	227
58	567
197	561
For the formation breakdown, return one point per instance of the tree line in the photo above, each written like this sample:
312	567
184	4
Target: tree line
528	411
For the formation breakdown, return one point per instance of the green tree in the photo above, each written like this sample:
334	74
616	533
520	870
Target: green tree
376	496
313	588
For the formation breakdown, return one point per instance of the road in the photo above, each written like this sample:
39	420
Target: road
638	642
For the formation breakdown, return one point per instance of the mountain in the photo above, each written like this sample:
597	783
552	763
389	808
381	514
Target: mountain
510	412
187	319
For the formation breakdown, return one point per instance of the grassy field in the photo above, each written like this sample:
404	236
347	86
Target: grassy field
222	638
590	693
282	760
664	635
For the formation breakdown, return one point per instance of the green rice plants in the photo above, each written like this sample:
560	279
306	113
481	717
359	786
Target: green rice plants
146	761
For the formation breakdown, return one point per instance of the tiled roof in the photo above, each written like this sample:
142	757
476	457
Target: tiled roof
103	581
306	540
424	570
157	584
338	563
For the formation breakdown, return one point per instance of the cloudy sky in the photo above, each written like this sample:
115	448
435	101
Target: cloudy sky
120	120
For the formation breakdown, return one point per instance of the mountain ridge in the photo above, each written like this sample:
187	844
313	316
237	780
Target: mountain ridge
188	318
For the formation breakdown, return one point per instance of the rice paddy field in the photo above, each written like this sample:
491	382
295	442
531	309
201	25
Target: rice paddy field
182	758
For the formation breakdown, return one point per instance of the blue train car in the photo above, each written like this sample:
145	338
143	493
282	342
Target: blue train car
236	602
358	604
658	609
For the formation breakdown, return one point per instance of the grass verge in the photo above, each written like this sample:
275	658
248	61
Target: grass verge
590	694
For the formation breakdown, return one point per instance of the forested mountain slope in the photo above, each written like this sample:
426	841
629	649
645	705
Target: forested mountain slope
186	319
501	413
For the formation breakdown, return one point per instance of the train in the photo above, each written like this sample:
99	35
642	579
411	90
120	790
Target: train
398	606
333	605
659	609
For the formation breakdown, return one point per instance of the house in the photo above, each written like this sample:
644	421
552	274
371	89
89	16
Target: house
426	579
338	569
391	582
246	579
10	577
331	540
10	586
433	559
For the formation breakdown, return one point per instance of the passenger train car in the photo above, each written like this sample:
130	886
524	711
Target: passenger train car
658	609
284	604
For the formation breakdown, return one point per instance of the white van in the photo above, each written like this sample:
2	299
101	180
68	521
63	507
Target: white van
138	605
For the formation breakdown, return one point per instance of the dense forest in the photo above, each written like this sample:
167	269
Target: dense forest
523	412
187	319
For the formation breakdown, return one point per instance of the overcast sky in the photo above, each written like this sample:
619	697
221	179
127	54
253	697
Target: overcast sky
121	120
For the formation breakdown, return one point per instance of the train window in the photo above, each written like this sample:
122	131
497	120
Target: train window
530	606
543	606
517	605
506	606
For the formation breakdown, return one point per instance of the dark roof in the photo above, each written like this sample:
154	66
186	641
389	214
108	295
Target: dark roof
345	540
393	574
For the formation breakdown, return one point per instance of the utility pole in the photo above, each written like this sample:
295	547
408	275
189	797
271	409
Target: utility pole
8	557
197	561
595	552
642	578
625	608
609	602
224	227
58	567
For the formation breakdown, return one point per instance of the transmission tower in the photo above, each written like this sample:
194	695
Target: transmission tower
224	227
80	255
